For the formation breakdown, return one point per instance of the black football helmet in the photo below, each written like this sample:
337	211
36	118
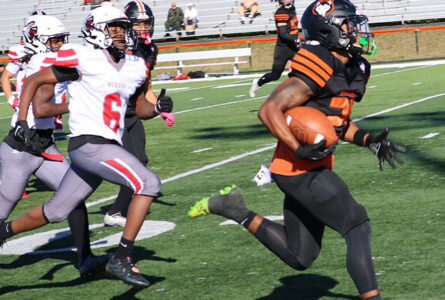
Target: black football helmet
38	12
322	21
282	2
138	11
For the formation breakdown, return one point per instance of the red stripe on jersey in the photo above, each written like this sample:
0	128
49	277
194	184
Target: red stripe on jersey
67	63
66	53
127	173
13	56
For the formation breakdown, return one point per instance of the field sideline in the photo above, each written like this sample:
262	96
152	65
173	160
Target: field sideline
218	141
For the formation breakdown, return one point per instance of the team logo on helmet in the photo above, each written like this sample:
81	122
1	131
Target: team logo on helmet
89	23
31	30
323	7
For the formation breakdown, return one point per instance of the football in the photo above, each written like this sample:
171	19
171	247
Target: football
310	126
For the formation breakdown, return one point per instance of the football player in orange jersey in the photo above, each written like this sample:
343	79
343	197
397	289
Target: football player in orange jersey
287	43
329	74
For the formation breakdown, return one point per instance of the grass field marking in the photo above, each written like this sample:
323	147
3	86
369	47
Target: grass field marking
217	105
399	71
214	165
398	107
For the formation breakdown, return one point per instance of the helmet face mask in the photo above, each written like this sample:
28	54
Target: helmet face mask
336	25
43	34
142	19
101	30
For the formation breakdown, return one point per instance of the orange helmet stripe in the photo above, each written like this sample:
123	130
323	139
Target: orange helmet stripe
141	7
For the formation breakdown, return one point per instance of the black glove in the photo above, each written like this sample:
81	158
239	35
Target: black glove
384	149
164	104
22	133
315	151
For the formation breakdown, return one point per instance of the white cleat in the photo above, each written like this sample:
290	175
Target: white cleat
115	220
254	88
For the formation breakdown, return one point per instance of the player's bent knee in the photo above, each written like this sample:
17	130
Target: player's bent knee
294	263
152	185
54	216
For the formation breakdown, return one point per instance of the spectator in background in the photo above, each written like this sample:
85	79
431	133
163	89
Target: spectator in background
191	15
175	19
250	6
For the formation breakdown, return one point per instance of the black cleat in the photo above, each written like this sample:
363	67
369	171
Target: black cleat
229	203
124	269
93	264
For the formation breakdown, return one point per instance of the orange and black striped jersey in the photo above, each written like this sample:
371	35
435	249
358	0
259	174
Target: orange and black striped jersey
289	16
337	87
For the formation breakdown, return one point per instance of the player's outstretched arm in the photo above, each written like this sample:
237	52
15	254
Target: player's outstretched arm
379	145
6	86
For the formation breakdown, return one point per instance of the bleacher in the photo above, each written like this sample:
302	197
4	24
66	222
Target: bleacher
217	17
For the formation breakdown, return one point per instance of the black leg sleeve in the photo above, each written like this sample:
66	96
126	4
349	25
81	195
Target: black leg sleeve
359	260
78	222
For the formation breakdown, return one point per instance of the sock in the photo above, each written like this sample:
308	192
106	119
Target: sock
78	222
125	248
6	231
248	219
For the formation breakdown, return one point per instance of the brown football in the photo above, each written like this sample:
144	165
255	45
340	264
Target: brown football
310	126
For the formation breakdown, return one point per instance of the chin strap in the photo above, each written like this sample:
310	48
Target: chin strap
118	54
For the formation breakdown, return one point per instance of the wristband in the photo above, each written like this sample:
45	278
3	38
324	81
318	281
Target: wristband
359	136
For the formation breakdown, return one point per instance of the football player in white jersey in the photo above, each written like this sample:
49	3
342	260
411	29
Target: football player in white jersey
102	80
43	36
18	59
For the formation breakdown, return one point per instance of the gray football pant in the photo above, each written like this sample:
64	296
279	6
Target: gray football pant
92	163
15	169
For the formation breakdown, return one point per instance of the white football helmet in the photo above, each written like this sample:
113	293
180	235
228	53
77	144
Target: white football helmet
94	27
39	30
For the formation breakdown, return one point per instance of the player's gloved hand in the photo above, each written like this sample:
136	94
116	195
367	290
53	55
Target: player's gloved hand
169	118
384	149
164	104
22	133
297	43
13	101
314	152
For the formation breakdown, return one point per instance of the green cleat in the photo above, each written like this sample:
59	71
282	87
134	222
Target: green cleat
227	203
200	208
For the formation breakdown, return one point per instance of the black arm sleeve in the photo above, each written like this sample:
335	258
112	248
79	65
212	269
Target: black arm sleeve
65	74
285	35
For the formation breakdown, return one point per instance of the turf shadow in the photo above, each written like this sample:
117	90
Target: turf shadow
140	253
306	287
231	133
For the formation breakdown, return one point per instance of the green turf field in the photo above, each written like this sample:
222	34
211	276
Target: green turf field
214	143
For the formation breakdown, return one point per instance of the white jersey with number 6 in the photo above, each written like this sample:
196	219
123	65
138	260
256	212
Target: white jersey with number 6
99	98
39	62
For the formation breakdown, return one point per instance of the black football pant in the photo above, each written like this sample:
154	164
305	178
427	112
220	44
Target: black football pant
282	55
312	201
133	140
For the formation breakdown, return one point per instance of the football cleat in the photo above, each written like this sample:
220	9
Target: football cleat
227	203
200	208
254	88
125	270
114	220
93	264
